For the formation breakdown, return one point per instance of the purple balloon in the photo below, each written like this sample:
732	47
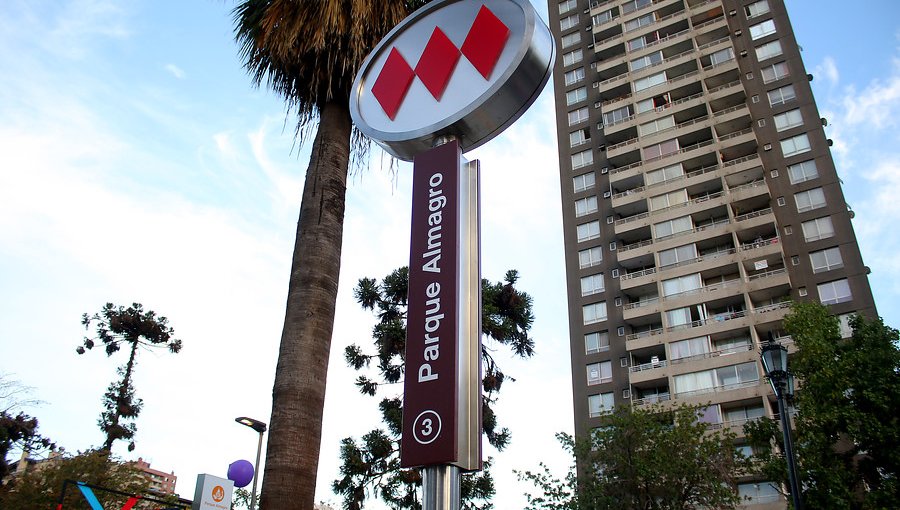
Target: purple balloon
240	472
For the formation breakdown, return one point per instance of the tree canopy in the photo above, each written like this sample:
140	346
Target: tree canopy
17	429
643	459
847	430
132	328
371	467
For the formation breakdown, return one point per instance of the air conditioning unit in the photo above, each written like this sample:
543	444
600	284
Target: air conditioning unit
607	194
767	147
604	170
732	12
626	393
743	53
738	32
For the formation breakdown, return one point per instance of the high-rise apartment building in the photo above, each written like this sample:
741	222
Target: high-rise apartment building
699	196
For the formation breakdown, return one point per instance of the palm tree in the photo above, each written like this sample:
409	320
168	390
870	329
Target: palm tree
308	51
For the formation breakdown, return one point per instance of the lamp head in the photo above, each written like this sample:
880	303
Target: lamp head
253	424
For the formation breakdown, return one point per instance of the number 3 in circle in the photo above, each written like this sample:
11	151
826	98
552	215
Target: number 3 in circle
427	427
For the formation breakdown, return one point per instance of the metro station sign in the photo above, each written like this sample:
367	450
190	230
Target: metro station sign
463	68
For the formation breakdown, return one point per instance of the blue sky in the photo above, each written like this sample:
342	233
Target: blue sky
137	163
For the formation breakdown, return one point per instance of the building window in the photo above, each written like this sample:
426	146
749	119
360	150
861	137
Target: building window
633	5
646	61
579	137
788	119
768	50
577	95
596	342
617	115
795	145
598	405
802	291
582	159
620	331
781	95
795	260
802	172
639	22
592	284
584	182
655	126
757	8
781	201
590	257
599	373
649	81
603	17
672	227
775	72
568	22
593	313
574	76
670	199
809	199
665	174
819	228
681	285
571	39
831	293
762	29
588	231
573	57
724	378
826	260
689	348
677	255
844	325
615	272
661	149
758	493
585	206
577	116
567	5
721	56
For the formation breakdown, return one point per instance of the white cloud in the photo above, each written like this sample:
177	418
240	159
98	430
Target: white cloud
828	70
175	71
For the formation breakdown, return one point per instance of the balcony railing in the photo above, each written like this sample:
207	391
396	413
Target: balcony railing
633	246
718	19
644	334
641	303
652	399
718	389
648	366
741	159
713	354
638	274
767	274
754	214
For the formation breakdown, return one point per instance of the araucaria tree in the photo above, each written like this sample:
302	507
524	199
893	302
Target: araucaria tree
372	467
308	52
644	459
131	328
847	429
18	431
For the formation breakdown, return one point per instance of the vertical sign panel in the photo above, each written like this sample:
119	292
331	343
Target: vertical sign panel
431	380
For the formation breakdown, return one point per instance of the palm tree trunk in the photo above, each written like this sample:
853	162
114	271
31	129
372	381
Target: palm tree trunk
298	396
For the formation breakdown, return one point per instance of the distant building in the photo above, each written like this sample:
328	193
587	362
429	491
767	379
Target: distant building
160	481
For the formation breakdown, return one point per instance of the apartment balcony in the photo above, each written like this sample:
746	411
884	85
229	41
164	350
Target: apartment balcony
753	189
648	246
649	306
688	179
740	164
718	92
737	391
767	279
731	113
651	400
675	107
703	24
653	371
755	218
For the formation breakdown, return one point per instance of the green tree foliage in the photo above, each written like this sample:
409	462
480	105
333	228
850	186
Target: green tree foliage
643	459
18	431
372	465
41	486
132	328
847	430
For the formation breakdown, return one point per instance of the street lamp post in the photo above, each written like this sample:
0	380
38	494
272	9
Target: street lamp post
774	360
261	428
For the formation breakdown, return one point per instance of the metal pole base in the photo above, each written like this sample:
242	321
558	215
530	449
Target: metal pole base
440	488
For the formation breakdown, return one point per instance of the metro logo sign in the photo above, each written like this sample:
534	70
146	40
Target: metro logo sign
482	48
465	68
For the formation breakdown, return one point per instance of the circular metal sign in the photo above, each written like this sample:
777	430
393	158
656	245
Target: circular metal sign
462	68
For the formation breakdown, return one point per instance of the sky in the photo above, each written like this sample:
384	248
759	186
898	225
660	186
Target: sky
139	164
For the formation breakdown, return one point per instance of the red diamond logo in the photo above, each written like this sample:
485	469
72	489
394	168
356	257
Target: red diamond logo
437	63
392	83
485	41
